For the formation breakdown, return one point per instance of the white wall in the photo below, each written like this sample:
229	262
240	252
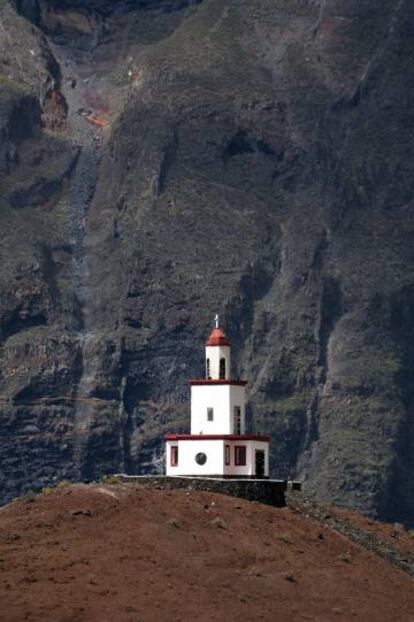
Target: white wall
214	449
250	468
215	353
222	398
187	450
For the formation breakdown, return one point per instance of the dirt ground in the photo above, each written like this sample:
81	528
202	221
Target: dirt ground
122	553
395	534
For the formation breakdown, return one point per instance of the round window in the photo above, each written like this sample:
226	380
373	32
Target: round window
201	458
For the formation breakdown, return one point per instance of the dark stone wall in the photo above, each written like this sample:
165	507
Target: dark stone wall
271	492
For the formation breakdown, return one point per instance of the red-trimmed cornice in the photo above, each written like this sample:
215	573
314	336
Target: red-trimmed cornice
207	381
216	437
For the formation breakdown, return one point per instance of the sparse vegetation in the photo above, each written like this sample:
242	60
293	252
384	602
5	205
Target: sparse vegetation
110	480
292	404
8	84
285	537
64	484
49	490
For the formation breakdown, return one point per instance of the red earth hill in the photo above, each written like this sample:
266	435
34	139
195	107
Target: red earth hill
122	553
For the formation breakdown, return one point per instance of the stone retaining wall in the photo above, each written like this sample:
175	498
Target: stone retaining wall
271	492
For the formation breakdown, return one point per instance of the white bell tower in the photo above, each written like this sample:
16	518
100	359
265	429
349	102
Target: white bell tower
217	355
218	403
218	444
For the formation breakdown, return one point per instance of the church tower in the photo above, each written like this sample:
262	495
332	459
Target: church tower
218	445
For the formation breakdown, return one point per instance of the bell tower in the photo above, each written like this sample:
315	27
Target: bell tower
218	402
218	444
217	355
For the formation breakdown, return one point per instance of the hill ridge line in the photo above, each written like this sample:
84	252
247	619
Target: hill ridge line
310	508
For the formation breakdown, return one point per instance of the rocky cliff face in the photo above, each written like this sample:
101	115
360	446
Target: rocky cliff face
164	160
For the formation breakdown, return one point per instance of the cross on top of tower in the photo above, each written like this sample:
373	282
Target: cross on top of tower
216	319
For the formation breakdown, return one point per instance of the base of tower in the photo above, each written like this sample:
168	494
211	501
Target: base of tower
268	491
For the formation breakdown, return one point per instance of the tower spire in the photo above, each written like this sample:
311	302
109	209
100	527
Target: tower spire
217	320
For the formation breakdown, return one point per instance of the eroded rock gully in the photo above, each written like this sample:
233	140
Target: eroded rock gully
175	159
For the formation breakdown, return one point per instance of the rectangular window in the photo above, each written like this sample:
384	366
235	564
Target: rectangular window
237	420
227	459
174	456
210	414
240	455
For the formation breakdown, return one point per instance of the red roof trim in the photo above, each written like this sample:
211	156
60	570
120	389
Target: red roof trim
217	338
216	437
201	381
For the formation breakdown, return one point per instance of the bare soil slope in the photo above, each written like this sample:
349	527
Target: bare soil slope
122	553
